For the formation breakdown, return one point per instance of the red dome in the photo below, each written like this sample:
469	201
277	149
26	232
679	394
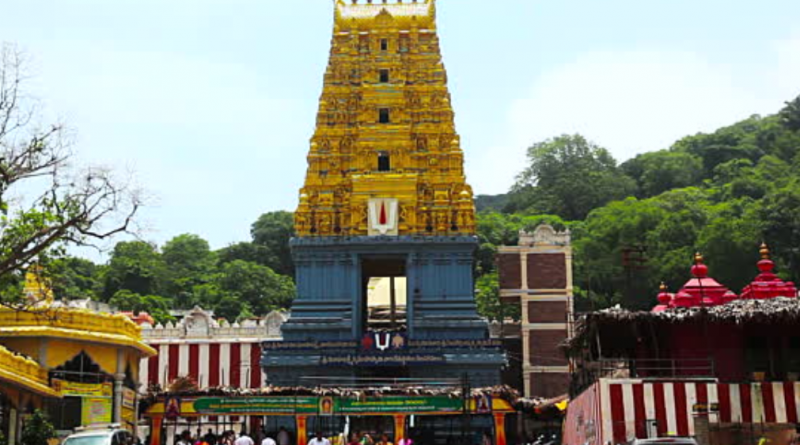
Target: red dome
767	284
698	291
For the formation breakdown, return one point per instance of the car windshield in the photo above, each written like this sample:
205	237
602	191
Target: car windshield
98	439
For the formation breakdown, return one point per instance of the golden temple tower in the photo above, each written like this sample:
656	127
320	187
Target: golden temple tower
385	199
385	158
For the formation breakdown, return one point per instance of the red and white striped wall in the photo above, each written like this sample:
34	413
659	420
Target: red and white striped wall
626	409
235	364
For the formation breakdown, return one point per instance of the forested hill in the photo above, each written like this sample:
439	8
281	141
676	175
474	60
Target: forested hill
721	194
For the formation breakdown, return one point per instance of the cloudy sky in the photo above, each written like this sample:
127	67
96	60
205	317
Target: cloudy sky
210	103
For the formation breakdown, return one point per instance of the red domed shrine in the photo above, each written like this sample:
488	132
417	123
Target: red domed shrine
701	290
704	291
767	284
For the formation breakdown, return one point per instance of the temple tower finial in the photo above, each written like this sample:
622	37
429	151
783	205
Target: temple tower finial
764	251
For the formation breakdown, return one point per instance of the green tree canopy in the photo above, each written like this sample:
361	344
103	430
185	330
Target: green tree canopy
569	176
273	231
660	171
257	286
38	430
189	263
487	298
790	115
75	278
157	307
136	266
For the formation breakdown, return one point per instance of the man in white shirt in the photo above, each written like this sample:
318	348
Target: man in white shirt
319	440
268	441
244	439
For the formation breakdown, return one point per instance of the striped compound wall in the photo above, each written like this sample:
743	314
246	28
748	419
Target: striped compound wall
617	411
211	364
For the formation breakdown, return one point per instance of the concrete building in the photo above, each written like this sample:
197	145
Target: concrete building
537	275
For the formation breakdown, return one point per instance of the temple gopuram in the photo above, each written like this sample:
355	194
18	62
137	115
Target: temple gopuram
385	226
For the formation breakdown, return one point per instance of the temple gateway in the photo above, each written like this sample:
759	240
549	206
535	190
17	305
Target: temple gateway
385	226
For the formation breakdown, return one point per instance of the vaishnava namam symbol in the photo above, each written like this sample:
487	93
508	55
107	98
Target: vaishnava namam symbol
383	216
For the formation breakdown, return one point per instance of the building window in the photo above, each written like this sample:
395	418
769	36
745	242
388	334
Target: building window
384	162
384	74
383	116
384	45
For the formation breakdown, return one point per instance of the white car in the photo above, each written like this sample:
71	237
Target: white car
100	436
665	441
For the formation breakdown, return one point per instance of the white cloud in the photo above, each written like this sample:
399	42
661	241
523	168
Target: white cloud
636	101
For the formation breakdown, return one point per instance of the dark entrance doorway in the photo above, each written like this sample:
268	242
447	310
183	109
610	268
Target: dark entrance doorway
384	294
383	307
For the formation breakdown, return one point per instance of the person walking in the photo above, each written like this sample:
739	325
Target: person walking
185	438
283	437
319	440
244	439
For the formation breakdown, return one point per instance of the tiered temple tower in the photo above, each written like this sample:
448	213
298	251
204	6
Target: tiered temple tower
385	198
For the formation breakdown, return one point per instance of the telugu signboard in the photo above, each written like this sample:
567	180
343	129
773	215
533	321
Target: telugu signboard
382	342
326	405
73	389
95	410
399	405
213	405
381	359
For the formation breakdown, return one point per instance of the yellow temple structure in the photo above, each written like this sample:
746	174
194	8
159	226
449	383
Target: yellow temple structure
77	364
385	129
385	200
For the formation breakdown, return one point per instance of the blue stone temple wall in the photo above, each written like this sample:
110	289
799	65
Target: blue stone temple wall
440	305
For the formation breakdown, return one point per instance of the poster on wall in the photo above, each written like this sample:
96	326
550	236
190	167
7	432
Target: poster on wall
128	398
74	389
128	418
326	406
95	410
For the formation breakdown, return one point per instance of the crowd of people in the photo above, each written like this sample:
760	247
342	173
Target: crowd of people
282	437
232	438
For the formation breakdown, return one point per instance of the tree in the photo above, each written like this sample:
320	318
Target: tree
257	286
231	308
659	171
790	115
62	206
157	307
780	217
742	140
569	177
37	429
487	298
74	278
245	251
273	231
135	266
189	263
